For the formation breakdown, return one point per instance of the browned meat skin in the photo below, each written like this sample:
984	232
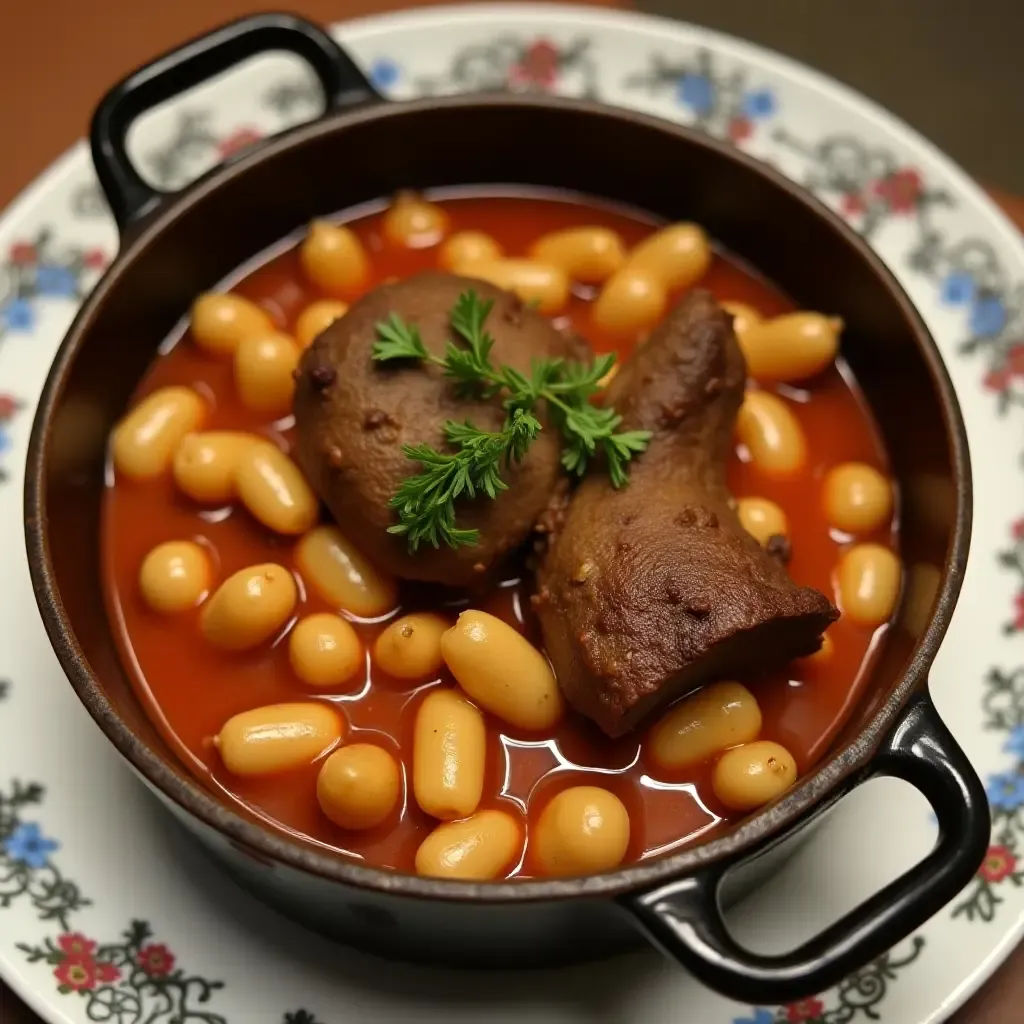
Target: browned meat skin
353	416
647	592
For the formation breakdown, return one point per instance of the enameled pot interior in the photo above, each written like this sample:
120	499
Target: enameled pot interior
353	159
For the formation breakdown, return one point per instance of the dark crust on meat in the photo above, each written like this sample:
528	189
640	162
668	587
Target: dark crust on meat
647	592
353	416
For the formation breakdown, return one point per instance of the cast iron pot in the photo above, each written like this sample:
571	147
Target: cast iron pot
173	247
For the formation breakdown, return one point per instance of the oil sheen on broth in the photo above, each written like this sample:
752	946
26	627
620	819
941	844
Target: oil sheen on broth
191	688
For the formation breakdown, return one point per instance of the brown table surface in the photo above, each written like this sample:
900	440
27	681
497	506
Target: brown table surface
56	59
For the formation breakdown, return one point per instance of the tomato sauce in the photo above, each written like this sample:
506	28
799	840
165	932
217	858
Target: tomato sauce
191	689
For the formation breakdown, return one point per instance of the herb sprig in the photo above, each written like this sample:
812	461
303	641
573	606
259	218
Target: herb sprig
426	502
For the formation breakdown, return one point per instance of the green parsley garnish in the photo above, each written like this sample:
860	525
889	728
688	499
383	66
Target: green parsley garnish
425	503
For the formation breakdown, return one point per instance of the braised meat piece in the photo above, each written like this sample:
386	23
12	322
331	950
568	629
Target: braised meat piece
646	592
353	415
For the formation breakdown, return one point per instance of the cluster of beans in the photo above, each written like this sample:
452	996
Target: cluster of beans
634	286
857	499
584	829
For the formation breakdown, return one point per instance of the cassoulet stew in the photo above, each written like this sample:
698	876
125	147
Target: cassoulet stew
492	536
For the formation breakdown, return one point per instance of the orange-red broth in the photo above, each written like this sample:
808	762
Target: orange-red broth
191	689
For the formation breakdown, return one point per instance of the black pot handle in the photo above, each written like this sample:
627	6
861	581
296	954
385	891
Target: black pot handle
684	918
130	198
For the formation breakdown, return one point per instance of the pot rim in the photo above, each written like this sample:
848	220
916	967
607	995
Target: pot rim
815	790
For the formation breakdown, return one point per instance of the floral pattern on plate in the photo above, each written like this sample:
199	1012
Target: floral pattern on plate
518	64
130	979
125	981
855	999
1003	702
1012	558
9	406
40	268
721	100
27	869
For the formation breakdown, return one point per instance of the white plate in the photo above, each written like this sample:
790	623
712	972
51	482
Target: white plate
107	914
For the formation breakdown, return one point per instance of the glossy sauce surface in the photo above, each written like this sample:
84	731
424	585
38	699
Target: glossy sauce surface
191	689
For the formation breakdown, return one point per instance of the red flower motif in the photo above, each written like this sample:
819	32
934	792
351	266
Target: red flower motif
9	405
95	259
75	944
538	66
852	204
1015	359
156	960
901	190
107	973
1018	608
804	1010
238	139
1018	529
77	973
997	380
22	252
740	129
998	864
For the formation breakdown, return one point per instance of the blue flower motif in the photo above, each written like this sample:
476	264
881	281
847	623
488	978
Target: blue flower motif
759	104
958	288
988	316
1006	791
28	845
1015	742
56	281
17	315
761	1016
697	92
5	442
384	73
